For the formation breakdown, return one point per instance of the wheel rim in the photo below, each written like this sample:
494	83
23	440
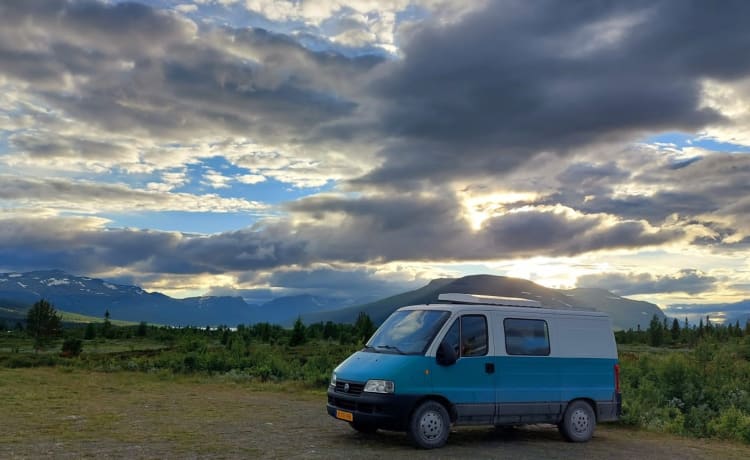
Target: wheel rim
431	425
580	421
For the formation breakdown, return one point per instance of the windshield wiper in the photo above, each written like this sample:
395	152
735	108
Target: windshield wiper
391	347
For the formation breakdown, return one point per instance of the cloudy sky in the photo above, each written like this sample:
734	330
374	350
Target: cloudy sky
263	148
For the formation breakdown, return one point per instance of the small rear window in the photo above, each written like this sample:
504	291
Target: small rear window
528	337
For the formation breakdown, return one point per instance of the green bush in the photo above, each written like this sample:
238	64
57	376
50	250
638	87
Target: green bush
72	348
732	423
702	393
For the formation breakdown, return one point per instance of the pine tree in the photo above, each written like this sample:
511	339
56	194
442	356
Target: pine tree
107	330
675	330
655	332
364	326
90	332
43	323
298	333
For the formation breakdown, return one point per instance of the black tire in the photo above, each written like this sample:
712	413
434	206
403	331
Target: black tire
578	422
365	428
429	425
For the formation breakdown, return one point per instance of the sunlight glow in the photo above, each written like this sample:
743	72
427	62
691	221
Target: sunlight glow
479	208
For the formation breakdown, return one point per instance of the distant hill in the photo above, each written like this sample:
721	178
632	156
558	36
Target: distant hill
625	313
11	313
285	310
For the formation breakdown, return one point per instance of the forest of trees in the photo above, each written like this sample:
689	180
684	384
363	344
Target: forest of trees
672	332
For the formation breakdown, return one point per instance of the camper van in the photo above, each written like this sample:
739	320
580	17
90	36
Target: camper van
481	360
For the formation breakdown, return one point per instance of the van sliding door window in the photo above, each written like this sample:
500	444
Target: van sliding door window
529	337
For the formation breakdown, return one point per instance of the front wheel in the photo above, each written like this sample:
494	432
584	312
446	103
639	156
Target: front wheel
578	423
429	425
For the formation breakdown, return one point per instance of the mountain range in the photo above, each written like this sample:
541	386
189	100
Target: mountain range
93	297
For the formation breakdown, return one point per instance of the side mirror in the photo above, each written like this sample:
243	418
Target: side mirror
446	354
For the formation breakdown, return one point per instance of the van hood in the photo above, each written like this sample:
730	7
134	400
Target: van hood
363	366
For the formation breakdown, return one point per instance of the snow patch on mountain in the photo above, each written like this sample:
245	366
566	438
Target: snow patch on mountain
56	282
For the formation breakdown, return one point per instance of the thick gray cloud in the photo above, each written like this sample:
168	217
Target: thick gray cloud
688	281
420	228
486	94
710	191
81	245
131	69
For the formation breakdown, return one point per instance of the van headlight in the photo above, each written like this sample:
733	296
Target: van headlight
333	379
379	386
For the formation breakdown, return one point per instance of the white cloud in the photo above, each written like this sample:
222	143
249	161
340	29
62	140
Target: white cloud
251	179
186	8
215	179
169	181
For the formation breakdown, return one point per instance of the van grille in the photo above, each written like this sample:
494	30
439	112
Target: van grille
353	405
354	388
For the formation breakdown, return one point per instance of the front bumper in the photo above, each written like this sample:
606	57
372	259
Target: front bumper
386	411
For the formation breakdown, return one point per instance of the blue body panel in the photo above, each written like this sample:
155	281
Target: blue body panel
465	382
515	379
543	379
408	371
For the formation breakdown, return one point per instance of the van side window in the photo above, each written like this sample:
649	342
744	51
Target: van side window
526	337
470	332
473	335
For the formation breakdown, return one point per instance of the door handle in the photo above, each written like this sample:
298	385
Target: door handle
489	368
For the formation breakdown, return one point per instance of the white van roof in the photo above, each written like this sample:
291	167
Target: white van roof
454	297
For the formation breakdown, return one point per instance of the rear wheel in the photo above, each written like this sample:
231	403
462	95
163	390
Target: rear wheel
365	428
578	423
429	425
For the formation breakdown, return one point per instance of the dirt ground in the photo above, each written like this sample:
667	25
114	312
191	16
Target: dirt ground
52	413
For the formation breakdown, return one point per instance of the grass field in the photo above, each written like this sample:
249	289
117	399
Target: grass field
63	413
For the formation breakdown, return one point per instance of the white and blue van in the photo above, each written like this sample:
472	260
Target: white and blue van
481	360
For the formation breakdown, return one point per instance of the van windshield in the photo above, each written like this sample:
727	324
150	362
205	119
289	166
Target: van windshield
407	332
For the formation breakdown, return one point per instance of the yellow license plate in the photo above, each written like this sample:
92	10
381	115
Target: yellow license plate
343	415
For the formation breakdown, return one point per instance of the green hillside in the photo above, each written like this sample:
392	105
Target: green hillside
11	312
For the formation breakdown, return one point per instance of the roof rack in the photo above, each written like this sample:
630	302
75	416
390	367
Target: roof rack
454	297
